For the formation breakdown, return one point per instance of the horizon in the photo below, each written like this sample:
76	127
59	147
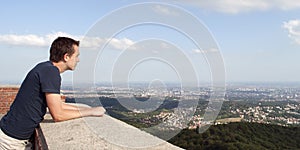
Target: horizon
146	84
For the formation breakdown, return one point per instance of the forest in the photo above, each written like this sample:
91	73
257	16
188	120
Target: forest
240	135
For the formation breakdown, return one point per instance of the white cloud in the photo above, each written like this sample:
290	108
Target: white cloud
199	51
32	40
164	10
293	28
288	4
121	43
114	43
238	6
45	41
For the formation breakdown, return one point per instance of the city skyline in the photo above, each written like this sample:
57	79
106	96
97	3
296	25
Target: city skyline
259	40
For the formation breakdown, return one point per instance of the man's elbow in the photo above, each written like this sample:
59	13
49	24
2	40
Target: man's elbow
57	118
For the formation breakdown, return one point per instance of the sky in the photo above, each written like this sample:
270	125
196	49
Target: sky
242	41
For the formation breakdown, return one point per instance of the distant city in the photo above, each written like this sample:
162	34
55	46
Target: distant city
262	103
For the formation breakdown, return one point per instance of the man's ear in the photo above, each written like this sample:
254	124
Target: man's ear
66	57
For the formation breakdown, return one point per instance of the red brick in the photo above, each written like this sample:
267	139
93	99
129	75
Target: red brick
2	104
7	96
3	110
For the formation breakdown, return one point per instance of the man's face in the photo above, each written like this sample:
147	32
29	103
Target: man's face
74	59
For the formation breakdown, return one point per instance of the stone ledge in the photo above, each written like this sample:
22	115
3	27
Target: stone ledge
99	133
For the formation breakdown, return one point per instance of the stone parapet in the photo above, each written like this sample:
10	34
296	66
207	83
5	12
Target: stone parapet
101	133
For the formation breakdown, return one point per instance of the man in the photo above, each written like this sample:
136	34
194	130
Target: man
39	90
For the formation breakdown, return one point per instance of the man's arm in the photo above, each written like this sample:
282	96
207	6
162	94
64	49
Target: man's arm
74	107
61	111
71	106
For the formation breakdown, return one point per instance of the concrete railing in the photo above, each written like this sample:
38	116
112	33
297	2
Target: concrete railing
99	133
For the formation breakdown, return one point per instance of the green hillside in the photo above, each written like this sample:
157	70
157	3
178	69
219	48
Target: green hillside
240	136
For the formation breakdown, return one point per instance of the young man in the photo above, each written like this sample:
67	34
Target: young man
39	90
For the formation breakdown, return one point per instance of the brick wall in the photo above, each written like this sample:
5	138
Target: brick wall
7	96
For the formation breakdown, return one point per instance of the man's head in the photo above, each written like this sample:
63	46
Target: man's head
64	49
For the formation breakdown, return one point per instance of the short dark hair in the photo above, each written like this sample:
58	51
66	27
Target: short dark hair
61	46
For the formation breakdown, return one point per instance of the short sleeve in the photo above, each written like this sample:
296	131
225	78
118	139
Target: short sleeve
50	80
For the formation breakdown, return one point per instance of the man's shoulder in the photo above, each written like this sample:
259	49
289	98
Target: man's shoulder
45	63
44	68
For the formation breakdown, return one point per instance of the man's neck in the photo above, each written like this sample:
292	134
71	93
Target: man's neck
60	65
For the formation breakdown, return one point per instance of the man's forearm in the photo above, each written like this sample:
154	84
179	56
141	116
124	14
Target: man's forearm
68	114
74	106
61	111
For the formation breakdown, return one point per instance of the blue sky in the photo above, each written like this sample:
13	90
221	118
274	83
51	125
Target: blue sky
258	39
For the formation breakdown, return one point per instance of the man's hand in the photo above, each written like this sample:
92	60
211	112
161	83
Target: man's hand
98	111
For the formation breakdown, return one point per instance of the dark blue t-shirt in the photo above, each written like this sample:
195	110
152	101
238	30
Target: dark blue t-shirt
29	106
